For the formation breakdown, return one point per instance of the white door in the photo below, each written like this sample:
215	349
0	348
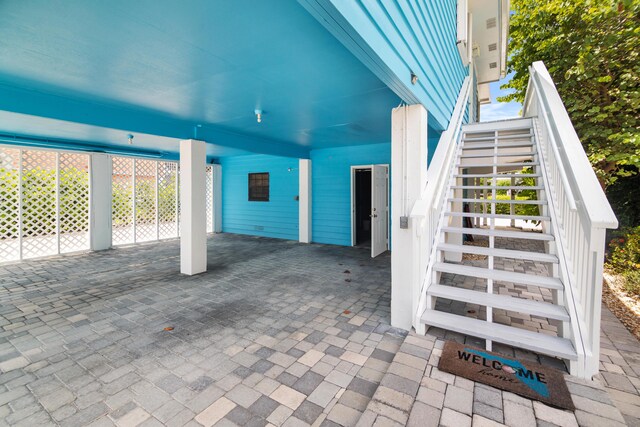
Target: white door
379	210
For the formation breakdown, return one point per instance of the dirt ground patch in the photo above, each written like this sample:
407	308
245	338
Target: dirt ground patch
624	306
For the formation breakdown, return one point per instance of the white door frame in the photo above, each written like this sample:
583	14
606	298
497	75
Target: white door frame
353	198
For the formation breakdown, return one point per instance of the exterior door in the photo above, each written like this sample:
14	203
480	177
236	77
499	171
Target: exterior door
379	210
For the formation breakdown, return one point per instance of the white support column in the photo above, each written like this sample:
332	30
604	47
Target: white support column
100	205
408	179
304	198
217	198
193	241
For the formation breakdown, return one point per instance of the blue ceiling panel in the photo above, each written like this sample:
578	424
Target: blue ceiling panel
99	69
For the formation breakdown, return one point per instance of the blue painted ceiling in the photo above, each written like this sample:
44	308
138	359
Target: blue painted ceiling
93	70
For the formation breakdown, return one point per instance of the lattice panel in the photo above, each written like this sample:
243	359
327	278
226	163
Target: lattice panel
122	201
209	199
74	202
146	201
167	200
9	204
39	216
179	221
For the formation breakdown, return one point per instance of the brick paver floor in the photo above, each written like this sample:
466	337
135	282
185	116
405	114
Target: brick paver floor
275	333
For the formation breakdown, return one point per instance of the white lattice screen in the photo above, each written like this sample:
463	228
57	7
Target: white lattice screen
167	200
145	196
9	204
122	231
145	200
44	207
45	202
209	199
74	202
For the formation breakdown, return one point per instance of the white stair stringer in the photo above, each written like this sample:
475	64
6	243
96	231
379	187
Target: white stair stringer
482	191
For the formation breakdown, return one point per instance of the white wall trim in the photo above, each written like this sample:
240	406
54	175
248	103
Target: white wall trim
304	201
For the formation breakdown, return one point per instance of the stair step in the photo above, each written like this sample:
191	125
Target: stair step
497	252
480	156
497	187
508	202
529	235
521	338
499	216
484	165
467	138
499	275
470	145
504	302
493	175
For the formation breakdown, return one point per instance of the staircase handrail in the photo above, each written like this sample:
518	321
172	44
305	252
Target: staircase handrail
580	214
443	155
577	174
427	212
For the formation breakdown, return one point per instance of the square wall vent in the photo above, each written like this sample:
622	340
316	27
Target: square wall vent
491	23
493	65
493	47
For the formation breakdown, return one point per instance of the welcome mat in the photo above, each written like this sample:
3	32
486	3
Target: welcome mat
527	379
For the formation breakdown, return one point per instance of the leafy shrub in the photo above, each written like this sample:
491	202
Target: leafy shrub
632	282
624	251
505	208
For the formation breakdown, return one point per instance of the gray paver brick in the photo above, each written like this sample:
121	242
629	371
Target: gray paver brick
226	337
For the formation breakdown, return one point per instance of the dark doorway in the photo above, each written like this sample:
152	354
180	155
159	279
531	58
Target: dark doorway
363	207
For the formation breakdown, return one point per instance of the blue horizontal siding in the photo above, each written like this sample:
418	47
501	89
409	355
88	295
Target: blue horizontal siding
432	143
331	184
396	38
276	218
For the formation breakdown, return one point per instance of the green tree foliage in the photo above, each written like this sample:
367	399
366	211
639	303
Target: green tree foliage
592	51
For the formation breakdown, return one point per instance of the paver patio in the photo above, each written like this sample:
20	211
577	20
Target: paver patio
274	333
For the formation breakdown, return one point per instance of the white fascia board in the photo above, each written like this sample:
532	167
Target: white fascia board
484	93
504	34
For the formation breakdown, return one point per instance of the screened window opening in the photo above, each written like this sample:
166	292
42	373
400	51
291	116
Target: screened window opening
259	187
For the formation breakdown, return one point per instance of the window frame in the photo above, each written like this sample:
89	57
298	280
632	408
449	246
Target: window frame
263	195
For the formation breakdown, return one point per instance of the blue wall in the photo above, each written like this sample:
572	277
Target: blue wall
395	38
331	188
276	218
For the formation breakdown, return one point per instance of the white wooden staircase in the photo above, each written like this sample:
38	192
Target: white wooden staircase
554	275
489	156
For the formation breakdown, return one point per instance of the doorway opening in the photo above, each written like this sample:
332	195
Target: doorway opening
370	207
362	199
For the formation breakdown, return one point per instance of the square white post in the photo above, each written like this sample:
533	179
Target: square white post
304	196
408	179
217	198
193	241
100	207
